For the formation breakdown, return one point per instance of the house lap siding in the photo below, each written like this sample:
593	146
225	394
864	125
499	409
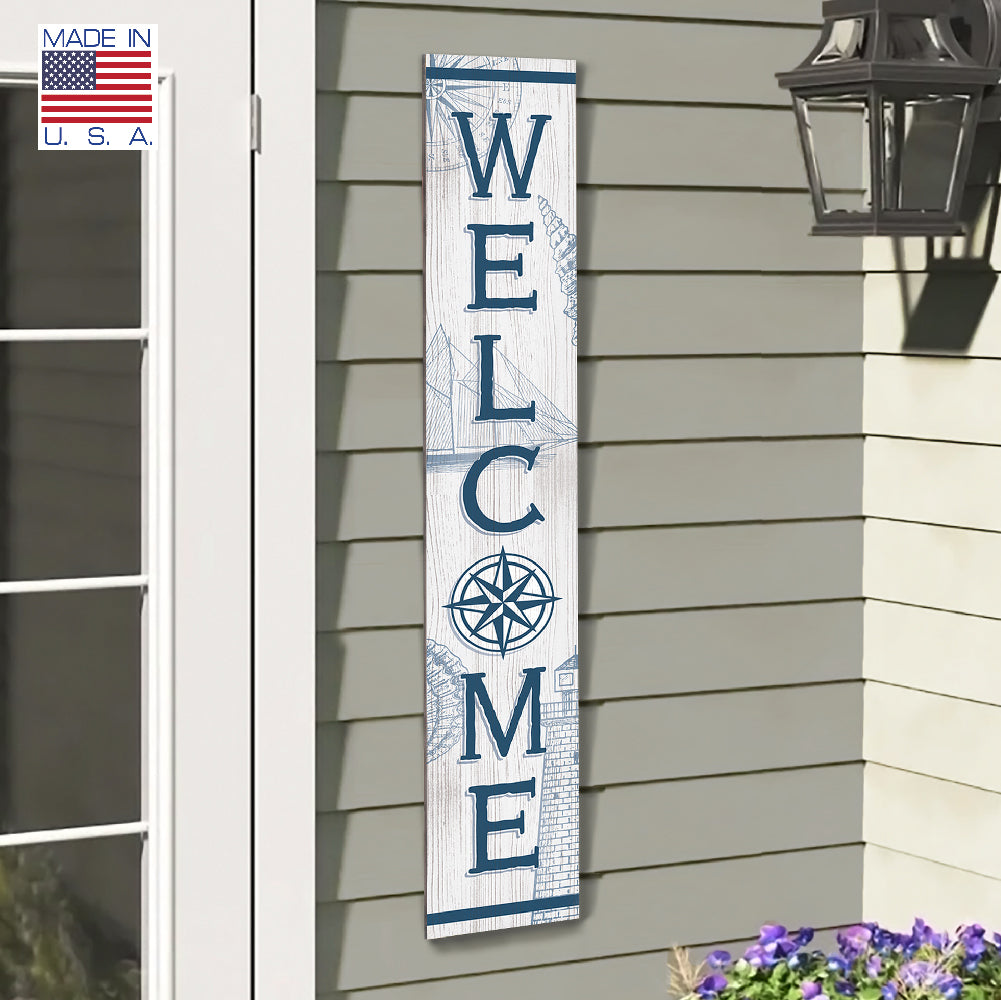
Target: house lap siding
720	380
933	612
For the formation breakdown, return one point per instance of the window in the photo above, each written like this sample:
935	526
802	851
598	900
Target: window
85	655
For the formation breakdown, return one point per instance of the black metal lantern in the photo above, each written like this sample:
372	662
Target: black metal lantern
887	106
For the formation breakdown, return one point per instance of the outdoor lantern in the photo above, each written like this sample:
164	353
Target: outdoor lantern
887	106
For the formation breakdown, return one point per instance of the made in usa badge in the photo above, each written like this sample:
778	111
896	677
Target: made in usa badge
97	86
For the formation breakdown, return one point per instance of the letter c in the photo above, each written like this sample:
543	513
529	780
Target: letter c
471	504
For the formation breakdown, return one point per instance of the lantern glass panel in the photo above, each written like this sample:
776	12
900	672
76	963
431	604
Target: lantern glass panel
917	39
846	41
921	139
835	136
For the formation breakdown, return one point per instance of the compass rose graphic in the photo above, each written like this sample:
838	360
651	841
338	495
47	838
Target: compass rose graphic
502	603
481	97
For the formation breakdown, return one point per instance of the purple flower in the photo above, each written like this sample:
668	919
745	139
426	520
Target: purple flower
771	932
915	974
884	941
853	941
890	991
810	990
972	940
924	934
782	947
717	959
711	985
803	936
844	988
772	946
873	965
949	986
837	964
929	975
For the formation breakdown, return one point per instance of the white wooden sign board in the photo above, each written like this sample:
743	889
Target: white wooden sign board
500	277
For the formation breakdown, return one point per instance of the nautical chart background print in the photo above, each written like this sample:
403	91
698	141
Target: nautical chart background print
502	773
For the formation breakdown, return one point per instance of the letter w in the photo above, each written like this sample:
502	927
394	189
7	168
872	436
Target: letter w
482	175
476	691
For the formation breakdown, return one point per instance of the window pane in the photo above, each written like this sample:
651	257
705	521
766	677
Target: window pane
922	140
70	448
70	228
70	919
838	145
70	709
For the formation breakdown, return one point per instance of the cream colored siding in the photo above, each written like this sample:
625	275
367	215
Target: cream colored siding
933	616
720	383
900	885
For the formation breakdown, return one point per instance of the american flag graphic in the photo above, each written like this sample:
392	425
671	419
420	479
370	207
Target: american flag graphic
97	87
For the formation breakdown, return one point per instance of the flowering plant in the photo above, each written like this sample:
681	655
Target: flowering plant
870	964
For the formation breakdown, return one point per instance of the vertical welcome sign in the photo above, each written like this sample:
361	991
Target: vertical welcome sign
500	277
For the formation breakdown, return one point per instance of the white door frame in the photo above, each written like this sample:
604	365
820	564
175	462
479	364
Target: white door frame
284	505
236	897
208	790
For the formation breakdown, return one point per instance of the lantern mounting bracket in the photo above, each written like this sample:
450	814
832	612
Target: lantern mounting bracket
977	24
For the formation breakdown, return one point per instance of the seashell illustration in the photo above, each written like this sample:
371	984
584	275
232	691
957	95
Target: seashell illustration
444	700
564	244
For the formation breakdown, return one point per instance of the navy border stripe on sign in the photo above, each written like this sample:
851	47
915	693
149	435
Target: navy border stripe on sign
503	909
522	76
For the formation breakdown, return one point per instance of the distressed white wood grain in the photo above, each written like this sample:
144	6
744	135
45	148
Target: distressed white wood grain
478	876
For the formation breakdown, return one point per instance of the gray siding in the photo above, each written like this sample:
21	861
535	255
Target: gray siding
721	540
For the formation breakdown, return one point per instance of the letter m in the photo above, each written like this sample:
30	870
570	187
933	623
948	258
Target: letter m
482	175
56	42
476	692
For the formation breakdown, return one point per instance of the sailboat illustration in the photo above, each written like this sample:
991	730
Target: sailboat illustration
454	439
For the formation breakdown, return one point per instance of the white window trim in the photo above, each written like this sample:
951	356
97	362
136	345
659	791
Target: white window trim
156	582
284	537
158	310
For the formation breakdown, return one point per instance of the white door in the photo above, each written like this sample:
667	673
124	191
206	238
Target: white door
126	524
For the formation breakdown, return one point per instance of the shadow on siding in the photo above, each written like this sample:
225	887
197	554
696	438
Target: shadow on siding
330	655
956	290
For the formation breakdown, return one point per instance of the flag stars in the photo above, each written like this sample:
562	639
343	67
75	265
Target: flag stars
69	70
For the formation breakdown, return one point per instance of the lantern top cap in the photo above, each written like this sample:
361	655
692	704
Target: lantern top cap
914	8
